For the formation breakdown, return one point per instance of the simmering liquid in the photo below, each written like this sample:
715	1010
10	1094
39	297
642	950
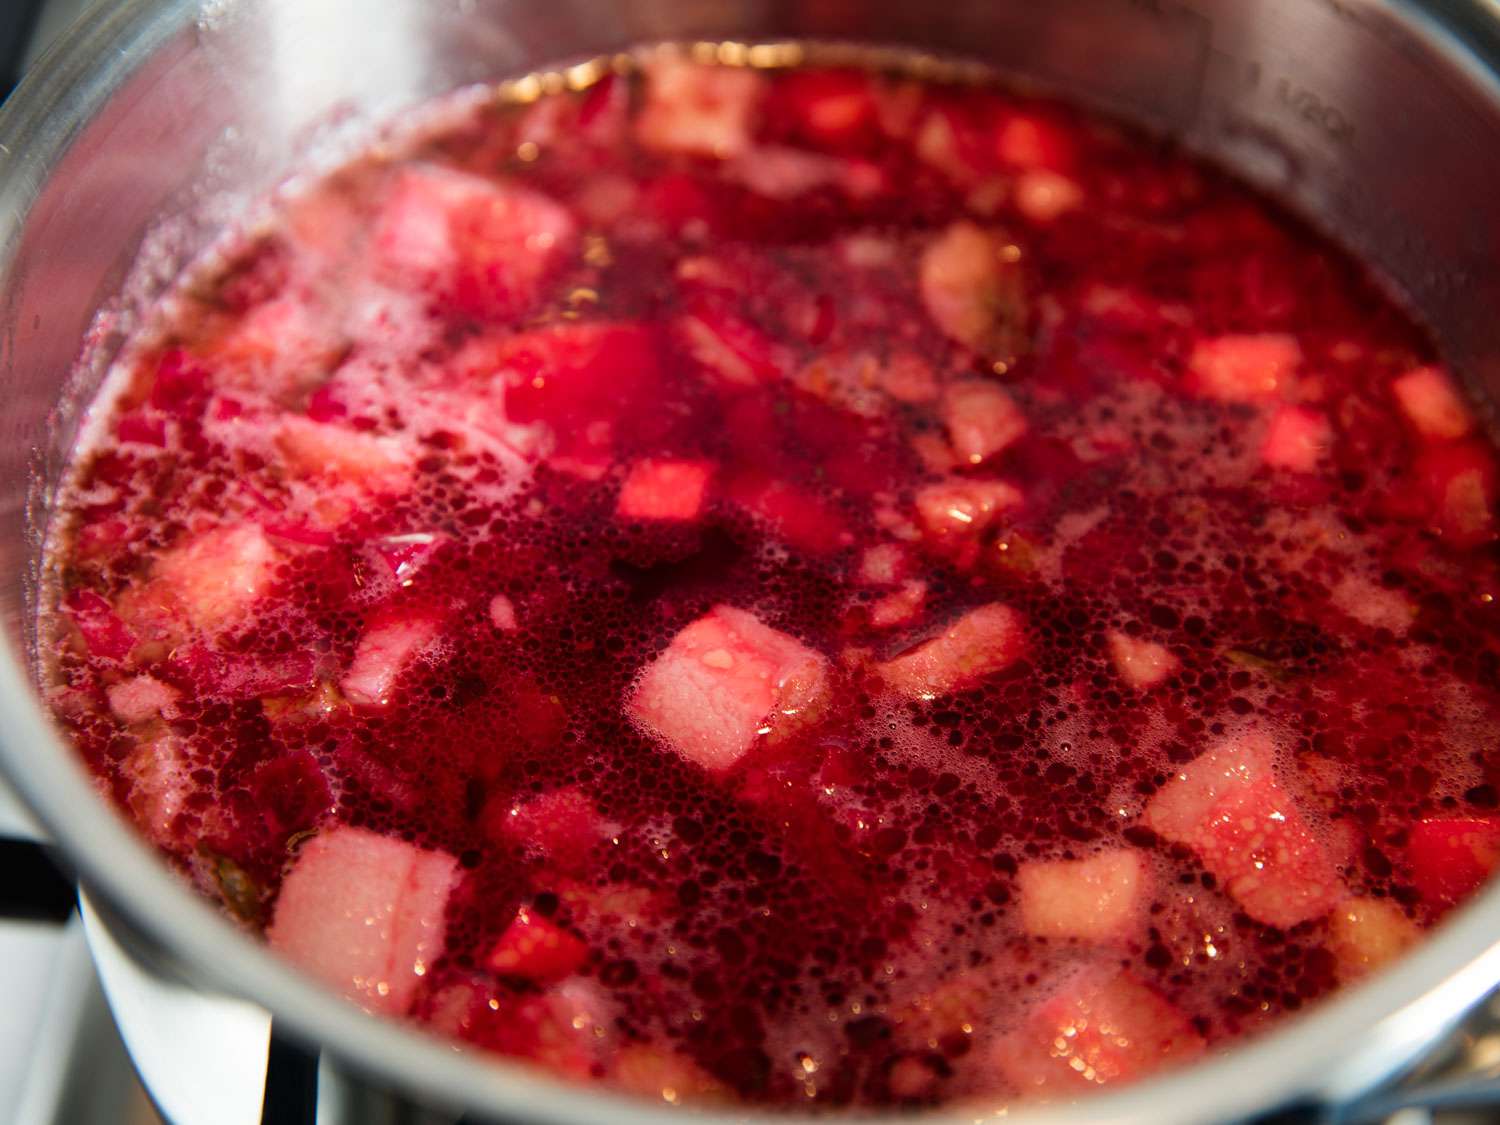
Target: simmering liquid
803	587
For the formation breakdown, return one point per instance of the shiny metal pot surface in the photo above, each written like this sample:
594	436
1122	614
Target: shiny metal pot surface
155	123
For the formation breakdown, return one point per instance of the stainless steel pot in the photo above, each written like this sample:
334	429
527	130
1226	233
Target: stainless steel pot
153	124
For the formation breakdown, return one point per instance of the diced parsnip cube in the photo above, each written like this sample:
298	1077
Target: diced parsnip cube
1097	899
884	564
536	948
1141	663
1227	806
1433	404
962	509
662	489
698	110
1366	933
981	419
1099	1029
1043	196
1372	604
338	453
383	653
1297	439
1245	368
978	644
364	913
160	771
140	698
503	613
214	577
900	606
973	288
724	681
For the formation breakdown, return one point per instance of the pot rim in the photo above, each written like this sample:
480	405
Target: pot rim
1306	1058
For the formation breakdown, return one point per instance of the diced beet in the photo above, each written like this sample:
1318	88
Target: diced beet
141	698
1244	368
488	247
1099	899
1367	933
801	518
661	489
236	675
981	419
364	913
214	577
1459	482
1028	140
105	634
1043	196
826	109
1297	439
1099	1029
384	652
1141	663
973	288
562	826
338	453
537	949
724	681
142	428
181	384
1432	403
291	794
1227	806
698	110
978	644
1452	857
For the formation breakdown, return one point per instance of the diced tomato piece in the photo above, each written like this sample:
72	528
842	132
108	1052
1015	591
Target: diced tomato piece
900	607
978	644
1044	196
699	110
1459	482
1097	1030
140	698
486	247
649	1071
1432	403
974	290
1244	368
1452	857
1366	933
562	826
383	653
1297	439
724	681
661	489
981	419
1227	806
963	509
364	913
105	634
1097	899
214	577
536	948
798	517
1141	663
338	453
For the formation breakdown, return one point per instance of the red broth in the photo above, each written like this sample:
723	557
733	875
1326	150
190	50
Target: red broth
799	587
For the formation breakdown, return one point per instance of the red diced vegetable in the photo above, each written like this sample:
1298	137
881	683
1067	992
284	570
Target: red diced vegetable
662	489
537	949
1452	858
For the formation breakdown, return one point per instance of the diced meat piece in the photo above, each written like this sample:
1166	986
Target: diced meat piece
364	913
885	564
900	607
141	698
974	290
1097	899
1459	481
1044	196
1247	368
1141	663
1433	404
1373	605
698	110
561	826
488	248
978	644
536	948
662	489
1099	1029
1297	439
503	613
724	681
1227	806
1367	933
214	577
964	508
383	653
334	452
1452	857
650	1071
981	419
104	633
